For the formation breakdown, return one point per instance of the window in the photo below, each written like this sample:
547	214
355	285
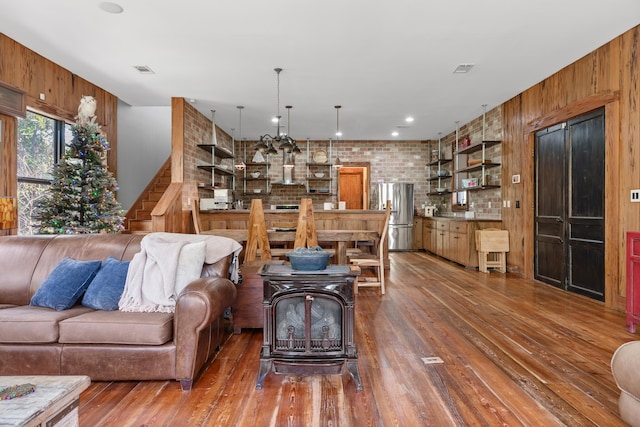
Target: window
41	144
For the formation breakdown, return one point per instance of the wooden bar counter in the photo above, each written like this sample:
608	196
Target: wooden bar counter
351	219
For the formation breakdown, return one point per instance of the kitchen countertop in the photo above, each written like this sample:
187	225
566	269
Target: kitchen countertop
460	218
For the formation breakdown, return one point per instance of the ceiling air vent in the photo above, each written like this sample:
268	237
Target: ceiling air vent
463	68
143	69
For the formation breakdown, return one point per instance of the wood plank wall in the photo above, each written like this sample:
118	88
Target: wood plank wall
62	91
609	77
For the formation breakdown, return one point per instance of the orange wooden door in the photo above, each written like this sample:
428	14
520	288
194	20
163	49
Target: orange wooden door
351	187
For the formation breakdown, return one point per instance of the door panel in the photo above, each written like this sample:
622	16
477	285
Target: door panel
586	206
351	185
550	206
569	222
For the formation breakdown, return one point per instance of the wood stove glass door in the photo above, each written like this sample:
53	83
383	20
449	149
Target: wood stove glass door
310	323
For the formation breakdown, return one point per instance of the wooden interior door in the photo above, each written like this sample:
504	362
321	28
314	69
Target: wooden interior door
570	168
351	187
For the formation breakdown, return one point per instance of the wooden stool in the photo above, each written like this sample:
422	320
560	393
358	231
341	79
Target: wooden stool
492	245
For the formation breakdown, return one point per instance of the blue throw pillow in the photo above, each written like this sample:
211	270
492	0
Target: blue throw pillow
66	284
106	288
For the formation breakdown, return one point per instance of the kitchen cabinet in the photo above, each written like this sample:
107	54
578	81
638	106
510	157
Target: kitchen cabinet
417	234
428	235
442	239
453	239
459	242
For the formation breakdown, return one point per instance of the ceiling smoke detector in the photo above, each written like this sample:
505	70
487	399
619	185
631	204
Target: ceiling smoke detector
144	69
463	68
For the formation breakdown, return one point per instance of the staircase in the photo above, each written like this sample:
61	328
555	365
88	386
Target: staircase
139	216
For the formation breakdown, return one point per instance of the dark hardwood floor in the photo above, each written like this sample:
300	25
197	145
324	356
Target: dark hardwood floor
514	352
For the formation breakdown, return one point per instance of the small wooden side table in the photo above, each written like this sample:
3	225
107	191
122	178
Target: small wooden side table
54	402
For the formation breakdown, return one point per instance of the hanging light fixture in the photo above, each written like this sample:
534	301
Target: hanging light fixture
266	140
294	147
214	137
338	163
241	165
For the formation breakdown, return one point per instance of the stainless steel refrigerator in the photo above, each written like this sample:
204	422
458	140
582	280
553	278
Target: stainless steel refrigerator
401	221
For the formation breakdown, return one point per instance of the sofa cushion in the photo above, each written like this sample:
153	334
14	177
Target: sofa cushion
106	288
118	327
66	284
31	324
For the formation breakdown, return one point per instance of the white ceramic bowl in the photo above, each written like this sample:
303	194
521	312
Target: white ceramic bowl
255	174
257	190
319	174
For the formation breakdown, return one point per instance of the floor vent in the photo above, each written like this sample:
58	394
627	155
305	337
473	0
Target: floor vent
432	360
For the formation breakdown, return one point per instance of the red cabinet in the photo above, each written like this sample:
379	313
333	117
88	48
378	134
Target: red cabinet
633	280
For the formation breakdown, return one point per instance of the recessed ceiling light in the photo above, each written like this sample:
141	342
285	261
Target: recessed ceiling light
110	7
463	68
338	133
395	133
144	69
409	119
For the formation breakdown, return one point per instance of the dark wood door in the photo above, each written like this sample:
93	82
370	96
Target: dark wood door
570	169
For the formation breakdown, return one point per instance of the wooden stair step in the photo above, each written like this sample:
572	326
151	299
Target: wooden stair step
143	215
148	205
140	225
155	195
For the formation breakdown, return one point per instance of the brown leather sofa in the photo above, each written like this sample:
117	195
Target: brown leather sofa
105	345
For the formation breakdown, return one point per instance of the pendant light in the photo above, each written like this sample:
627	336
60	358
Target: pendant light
266	140
214	137
240	166
338	163
294	147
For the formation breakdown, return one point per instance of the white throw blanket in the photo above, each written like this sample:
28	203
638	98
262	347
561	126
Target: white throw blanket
150	284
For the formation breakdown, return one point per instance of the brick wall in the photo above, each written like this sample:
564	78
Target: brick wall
485	203
197	130
389	160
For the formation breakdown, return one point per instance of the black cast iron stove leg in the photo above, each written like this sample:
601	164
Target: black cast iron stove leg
352	367
265	367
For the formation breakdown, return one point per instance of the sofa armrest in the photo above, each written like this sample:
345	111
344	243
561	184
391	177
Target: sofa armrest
625	366
200	304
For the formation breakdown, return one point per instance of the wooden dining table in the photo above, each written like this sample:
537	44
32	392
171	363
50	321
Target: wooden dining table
340	238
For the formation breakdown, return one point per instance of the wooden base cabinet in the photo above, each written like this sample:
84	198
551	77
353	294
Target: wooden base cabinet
418	243
428	235
454	239
247	308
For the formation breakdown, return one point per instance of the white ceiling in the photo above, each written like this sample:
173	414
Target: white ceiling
381	60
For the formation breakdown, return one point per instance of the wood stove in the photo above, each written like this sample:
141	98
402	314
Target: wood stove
308	321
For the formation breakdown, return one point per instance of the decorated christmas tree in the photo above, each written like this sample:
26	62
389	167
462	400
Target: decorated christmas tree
82	196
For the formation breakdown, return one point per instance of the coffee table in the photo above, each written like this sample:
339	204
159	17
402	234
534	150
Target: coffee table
54	402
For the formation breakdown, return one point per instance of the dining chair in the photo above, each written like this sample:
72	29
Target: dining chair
195	214
306	236
257	237
376	260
